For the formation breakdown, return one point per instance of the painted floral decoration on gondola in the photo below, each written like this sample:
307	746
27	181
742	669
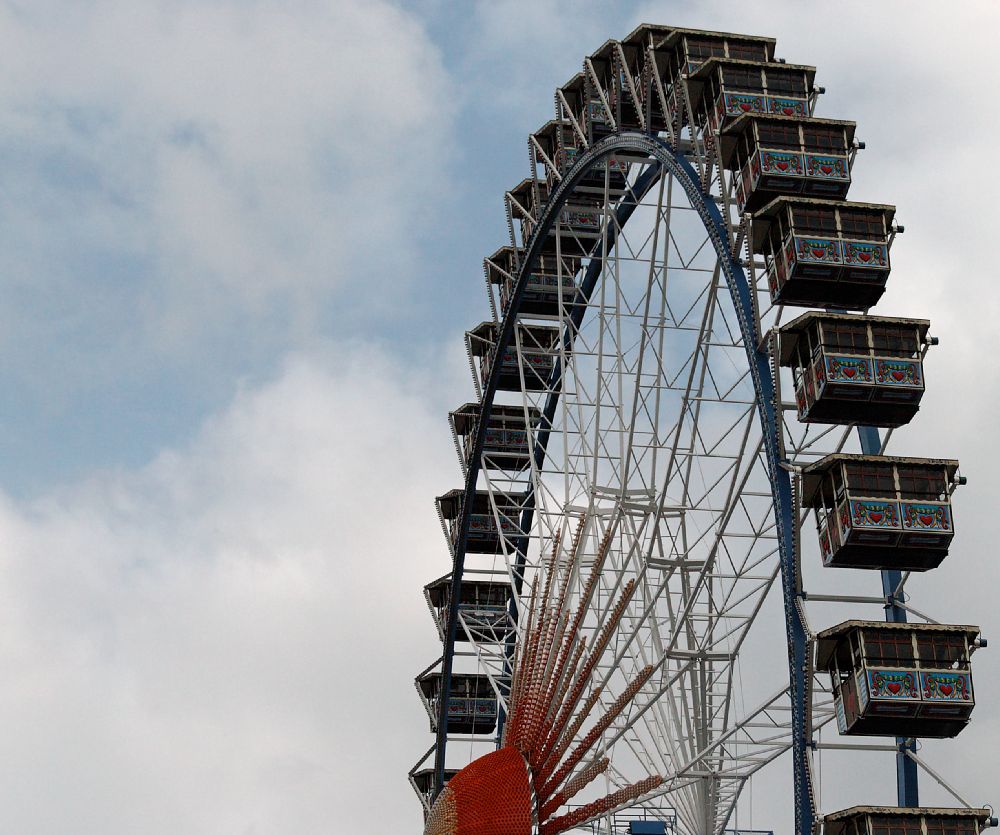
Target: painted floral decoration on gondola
848	369
926	517
786	107
739	103
866	254
888	684
869	514
826	166
817	249
824	543
952	687
777	162
897	373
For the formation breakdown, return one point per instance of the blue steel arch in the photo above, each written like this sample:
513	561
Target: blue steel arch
767	409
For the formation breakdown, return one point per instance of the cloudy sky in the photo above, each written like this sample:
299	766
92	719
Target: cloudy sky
239	241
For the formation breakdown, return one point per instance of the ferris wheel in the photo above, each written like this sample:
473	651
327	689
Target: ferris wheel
662	467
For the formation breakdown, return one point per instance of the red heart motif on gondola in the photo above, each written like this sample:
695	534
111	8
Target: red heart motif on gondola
826	169
946	689
782	166
894	687
818	253
744	106
898	376
927	520
850	372
875	517
788	111
865	256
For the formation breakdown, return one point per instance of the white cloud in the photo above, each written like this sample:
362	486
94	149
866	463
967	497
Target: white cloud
238	156
521	50
225	640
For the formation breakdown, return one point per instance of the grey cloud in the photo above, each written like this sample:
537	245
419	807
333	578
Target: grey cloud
235	152
223	640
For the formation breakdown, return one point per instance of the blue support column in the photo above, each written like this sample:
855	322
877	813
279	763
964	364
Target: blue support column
906	769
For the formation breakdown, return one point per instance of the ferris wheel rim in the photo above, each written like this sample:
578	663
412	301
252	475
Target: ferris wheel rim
673	163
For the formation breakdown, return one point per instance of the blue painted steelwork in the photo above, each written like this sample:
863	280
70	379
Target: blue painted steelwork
647	828
760	371
906	769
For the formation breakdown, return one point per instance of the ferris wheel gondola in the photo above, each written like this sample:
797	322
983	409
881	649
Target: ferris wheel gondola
636	483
